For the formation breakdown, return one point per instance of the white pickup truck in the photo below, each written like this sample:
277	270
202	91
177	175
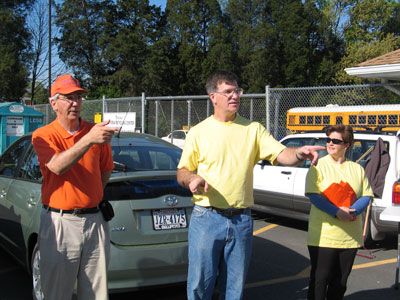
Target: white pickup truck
279	190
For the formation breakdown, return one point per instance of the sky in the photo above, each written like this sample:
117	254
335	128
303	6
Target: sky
161	3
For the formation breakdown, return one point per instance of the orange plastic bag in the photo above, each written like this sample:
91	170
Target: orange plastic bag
340	194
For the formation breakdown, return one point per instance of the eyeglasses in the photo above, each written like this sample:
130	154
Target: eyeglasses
71	98
229	93
335	141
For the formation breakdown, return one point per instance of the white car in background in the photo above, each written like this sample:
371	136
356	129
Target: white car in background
176	137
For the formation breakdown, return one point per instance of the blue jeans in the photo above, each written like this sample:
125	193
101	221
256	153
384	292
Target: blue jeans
219	247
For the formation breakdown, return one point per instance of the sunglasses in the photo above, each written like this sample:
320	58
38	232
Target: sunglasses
335	141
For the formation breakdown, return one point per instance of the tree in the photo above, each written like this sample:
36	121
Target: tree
14	50
135	46
190	24
393	24
85	29
159	69
325	39
220	52
109	44
38	26
365	35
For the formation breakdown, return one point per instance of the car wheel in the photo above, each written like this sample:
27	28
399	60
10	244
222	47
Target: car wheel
37	288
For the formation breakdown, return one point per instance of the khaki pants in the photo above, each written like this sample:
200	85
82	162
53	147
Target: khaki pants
73	249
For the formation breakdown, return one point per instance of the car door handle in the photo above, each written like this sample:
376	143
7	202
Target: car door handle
3	193
286	172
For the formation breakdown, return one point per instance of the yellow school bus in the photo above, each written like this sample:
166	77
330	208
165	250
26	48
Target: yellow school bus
373	117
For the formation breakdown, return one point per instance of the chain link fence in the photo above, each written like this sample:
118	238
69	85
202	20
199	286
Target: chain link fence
161	115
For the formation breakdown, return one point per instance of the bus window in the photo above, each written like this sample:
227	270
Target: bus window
382	119
393	119
371	120
387	117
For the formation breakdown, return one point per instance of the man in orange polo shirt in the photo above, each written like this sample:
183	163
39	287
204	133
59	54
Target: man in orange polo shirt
76	162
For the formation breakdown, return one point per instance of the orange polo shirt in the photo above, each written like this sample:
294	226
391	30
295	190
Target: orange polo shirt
80	186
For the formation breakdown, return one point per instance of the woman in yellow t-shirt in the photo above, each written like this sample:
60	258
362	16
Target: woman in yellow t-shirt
339	192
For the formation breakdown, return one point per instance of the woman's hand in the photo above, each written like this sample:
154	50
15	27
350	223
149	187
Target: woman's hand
346	214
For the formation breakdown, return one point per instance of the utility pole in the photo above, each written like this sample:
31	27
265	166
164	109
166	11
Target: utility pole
49	46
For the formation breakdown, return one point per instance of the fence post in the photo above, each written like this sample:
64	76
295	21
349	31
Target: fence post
172	119
208	108
251	109
103	109
143	105
267	98
156	121
276	114
189	102
48	113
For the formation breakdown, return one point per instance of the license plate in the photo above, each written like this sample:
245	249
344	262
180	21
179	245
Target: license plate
170	218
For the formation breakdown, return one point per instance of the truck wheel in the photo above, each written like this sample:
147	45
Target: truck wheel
372	234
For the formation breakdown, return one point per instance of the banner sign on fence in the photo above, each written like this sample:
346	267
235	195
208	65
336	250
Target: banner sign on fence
125	119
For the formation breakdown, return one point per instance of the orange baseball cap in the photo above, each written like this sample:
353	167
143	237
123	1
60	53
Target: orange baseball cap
66	84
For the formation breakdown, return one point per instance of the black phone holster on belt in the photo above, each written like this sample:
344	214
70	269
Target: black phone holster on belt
107	210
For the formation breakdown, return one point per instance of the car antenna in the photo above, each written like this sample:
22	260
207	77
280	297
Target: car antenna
123	120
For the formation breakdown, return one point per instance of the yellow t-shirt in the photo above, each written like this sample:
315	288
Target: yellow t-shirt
323	229
224	154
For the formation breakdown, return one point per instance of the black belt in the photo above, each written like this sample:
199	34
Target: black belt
227	212
75	211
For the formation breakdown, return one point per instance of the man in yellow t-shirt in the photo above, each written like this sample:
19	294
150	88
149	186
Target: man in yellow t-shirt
217	166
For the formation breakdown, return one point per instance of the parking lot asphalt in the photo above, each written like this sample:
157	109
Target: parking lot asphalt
280	264
279	269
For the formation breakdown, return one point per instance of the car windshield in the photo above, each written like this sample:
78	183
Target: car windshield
145	158
179	135
359	152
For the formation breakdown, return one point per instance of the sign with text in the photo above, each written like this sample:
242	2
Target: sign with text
125	119
15	126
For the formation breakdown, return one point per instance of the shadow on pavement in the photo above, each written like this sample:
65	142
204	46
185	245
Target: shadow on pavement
15	283
276	272
387	294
